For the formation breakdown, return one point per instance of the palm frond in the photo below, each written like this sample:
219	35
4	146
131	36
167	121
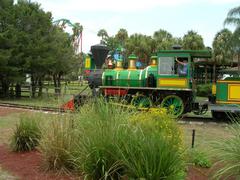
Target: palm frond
232	20
233	12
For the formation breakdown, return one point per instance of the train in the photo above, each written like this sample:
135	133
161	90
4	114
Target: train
166	82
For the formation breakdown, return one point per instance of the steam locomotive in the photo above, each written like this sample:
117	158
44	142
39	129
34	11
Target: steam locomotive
160	84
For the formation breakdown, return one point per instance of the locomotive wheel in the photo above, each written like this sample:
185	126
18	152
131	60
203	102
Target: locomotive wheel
174	105
141	101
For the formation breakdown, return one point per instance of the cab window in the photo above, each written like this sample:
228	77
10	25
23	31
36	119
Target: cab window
166	66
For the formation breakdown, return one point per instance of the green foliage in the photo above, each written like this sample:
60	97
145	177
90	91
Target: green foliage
108	142
30	43
193	41
204	90
227	151
56	143
151	147
26	135
199	159
222	47
96	150
164	39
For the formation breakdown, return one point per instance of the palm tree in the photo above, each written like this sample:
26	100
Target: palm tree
233	17
222	49
122	36
192	40
103	34
163	39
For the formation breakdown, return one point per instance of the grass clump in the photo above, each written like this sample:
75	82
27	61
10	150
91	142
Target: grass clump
227	150
109	142
56	143
152	147
95	153
199	158
26	135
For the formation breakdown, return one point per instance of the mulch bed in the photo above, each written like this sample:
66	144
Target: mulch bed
26	165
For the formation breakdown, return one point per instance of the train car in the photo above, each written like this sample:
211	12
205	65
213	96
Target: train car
225	99
166	82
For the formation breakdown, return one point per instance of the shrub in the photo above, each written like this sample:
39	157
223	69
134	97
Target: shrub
199	158
109	142
227	151
95	152
115	142
26	135
151	149
56	143
204	90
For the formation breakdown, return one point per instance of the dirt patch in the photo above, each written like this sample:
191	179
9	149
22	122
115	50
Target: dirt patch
197	173
4	111
27	165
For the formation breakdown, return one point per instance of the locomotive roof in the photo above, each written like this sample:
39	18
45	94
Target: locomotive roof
233	70
192	53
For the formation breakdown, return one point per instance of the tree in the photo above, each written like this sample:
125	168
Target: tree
61	57
140	45
103	34
222	49
32	46
122	36
10	69
164	40
233	17
193	41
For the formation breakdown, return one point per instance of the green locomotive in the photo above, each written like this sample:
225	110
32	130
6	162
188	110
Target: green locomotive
166	82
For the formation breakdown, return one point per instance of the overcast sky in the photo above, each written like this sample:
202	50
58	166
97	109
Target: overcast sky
142	16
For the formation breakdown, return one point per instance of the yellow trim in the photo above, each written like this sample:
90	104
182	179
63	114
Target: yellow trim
88	62
234	92
228	102
180	82
214	89
222	81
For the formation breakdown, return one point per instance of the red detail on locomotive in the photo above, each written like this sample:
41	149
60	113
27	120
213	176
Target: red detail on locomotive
69	105
114	92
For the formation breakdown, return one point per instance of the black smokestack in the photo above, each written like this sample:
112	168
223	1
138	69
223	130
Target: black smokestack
99	52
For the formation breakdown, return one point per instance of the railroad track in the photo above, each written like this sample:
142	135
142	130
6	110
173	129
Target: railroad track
184	120
30	107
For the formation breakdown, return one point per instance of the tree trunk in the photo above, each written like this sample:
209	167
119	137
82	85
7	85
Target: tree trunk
238	62
40	87
214	72
5	89
18	90
33	84
206	74
57	84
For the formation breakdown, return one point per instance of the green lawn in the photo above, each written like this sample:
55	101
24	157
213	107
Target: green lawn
205	133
